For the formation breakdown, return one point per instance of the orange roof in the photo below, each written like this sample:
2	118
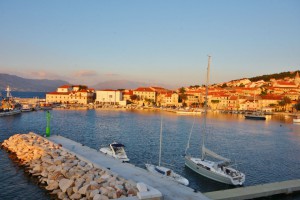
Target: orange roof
59	93
65	86
144	89
272	97
285	83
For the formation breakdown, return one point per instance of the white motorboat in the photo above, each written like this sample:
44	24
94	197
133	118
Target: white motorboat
164	171
297	119
27	108
255	115
116	150
221	170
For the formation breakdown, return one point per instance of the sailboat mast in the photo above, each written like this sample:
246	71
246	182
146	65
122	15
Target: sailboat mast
205	108
160	139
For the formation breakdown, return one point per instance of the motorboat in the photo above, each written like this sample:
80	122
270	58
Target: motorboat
116	150
296	119
255	115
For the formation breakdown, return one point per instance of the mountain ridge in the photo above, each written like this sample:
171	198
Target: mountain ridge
17	83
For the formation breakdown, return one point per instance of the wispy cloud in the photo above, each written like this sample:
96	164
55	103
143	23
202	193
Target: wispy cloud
111	74
85	73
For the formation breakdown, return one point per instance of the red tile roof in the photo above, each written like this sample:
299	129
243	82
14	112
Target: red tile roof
59	93
144	89
64	86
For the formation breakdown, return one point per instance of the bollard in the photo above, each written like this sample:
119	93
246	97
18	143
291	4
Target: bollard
48	124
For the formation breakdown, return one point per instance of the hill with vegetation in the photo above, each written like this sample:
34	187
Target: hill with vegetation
277	76
17	83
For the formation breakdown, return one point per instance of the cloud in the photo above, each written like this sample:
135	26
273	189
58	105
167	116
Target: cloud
111	74
85	73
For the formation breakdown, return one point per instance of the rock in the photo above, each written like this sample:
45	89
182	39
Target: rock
64	184
52	185
61	195
70	191
94	192
75	196
83	189
104	191
97	197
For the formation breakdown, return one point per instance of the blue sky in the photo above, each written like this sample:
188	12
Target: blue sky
152	41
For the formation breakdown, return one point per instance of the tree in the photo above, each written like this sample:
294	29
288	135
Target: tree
242	85
224	85
182	96
297	106
285	101
215	101
134	97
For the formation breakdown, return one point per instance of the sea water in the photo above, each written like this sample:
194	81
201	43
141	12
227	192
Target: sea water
266	151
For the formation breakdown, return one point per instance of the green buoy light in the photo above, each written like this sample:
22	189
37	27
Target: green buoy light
48	124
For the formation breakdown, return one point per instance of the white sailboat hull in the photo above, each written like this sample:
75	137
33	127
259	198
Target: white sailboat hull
161	171
205	168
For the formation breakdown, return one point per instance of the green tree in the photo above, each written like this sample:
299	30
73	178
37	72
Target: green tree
297	106
182	96
224	85
134	97
242	85
284	102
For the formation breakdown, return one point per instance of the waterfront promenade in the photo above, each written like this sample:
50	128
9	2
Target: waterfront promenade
169	189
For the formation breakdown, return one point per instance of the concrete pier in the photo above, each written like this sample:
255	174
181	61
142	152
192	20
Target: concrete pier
257	191
169	189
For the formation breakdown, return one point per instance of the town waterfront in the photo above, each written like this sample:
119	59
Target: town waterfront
266	151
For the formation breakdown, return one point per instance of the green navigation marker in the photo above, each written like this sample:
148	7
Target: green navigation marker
48	124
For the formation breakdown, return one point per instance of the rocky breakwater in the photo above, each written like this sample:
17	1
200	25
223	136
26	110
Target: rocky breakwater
63	174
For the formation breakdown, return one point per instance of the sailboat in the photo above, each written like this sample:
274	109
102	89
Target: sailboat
164	171
221	170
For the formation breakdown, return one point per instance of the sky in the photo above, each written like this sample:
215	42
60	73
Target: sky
151	41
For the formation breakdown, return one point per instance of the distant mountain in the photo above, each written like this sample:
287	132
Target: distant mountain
125	84
17	83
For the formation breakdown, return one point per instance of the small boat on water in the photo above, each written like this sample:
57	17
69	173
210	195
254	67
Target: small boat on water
255	115
164	171
296	119
46	106
168	173
116	150
27	108
9	106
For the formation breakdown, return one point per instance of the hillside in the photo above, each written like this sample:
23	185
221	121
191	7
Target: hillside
281	75
17	83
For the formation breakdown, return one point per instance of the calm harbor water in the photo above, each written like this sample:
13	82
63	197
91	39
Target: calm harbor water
266	151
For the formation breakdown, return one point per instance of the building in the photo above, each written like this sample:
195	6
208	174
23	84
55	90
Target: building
145	95
112	97
69	94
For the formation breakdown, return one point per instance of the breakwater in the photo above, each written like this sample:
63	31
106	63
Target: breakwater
64	174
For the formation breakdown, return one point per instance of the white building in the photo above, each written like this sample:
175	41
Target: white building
113	97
